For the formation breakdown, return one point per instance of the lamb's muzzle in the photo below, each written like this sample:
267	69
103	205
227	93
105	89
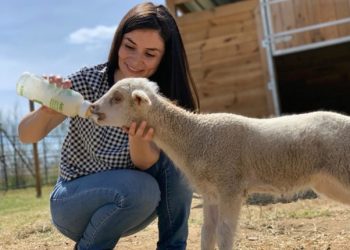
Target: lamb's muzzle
97	116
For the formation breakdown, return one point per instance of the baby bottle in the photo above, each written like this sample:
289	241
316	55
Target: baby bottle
65	101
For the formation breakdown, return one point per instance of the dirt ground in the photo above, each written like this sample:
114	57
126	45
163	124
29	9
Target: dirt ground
316	224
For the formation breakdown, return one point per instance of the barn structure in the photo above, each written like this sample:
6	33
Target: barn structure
267	57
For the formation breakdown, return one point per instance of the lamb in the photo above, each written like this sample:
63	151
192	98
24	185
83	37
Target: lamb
227	156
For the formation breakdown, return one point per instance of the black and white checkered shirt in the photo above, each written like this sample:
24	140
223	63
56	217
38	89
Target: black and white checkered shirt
87	147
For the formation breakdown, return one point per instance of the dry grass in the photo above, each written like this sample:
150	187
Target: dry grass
307	224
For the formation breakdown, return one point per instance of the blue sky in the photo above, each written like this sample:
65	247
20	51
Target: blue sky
53	37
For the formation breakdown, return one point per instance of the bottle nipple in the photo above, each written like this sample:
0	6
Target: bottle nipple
84	109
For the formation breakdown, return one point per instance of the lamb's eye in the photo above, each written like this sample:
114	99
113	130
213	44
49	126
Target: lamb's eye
116	98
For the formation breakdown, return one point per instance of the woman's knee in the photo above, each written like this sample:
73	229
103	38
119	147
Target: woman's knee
73	204
143	193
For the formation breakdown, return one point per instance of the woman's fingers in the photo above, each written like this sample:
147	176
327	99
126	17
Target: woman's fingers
141	131
149	135
67	84
132	129
59	81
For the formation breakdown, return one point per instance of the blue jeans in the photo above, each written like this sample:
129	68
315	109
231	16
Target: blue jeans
96	210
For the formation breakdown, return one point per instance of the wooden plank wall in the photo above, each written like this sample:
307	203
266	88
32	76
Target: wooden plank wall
294	14
223	51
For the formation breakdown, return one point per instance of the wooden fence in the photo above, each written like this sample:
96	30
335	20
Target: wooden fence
17	161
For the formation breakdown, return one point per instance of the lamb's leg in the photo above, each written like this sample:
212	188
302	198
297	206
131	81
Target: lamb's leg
331	188
210	220
229	209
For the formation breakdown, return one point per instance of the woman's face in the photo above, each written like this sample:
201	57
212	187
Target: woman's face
140	53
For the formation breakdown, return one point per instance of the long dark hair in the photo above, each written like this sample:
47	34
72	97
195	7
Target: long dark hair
172	75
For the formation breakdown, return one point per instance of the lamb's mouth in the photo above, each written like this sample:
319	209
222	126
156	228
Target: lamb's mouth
97	118
95	115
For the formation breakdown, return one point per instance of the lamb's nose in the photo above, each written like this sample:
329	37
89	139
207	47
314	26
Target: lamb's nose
94	109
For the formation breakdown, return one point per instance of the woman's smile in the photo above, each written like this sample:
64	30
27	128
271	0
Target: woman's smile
133	69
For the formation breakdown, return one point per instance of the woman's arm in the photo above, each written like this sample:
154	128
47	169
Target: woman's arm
143	152
37	124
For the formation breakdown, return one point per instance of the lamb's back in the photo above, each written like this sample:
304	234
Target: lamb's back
280	148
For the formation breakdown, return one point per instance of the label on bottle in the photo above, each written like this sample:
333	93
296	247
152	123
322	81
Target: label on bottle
56	105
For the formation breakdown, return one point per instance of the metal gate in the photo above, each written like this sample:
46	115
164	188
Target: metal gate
272	39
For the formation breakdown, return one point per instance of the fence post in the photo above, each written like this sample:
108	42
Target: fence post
45	162
15	161
2	158
36	161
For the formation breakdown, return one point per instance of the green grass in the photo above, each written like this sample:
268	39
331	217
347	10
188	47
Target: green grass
300	213
309	213
25	221
22	200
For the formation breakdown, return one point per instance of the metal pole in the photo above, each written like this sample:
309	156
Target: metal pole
311	27
36	161
272	85
267	16
312	46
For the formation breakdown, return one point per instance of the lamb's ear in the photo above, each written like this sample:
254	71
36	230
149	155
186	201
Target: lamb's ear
140	97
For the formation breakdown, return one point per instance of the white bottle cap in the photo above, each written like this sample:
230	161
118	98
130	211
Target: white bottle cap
84	110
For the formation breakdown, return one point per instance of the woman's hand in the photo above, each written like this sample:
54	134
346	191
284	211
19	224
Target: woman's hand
140	133
59	82
143	152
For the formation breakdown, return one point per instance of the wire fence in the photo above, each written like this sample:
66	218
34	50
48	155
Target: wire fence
17	169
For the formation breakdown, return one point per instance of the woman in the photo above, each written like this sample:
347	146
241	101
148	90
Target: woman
112	182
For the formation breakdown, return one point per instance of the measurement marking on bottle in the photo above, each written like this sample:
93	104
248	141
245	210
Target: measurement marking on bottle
56	105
